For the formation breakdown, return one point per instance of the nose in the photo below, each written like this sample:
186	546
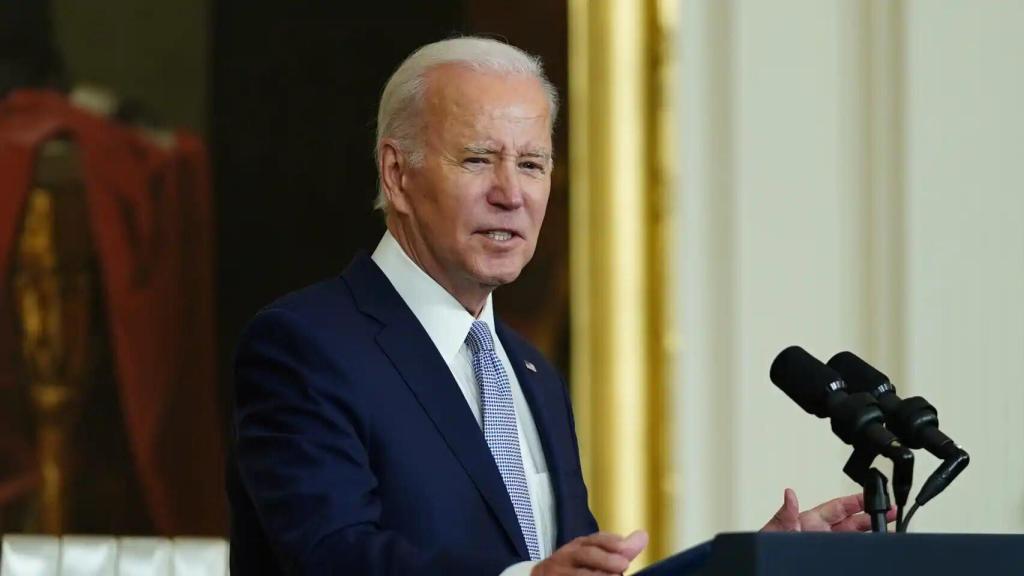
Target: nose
507	191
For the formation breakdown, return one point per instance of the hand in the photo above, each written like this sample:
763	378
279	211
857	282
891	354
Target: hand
843	514
599	554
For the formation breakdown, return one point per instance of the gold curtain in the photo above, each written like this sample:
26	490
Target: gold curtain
621	57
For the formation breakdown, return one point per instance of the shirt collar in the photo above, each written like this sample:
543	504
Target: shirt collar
445	320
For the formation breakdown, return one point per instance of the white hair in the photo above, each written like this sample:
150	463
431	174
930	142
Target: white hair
398	116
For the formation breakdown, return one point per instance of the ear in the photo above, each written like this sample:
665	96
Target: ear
394	166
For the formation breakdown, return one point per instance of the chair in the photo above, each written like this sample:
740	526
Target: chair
88	556
145	557
32	555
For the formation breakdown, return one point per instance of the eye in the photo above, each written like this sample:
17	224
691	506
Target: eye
478	160
532	166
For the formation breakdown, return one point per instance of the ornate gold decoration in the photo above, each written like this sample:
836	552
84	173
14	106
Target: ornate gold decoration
621	56
52	288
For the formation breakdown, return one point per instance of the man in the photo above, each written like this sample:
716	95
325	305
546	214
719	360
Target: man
385	423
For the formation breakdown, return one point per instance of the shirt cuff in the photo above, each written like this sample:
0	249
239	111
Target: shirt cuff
520	568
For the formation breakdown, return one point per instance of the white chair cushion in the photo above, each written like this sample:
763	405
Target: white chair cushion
88	556
200	557
24	555
30	555
144	557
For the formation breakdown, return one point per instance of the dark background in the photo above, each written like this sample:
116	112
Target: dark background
285	95
294	89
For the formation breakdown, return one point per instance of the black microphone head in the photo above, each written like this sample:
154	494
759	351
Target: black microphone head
806	380
859	375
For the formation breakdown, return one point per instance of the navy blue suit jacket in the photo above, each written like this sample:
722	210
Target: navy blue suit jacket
354	451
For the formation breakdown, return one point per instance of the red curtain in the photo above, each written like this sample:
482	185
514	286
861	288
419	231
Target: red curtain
150	215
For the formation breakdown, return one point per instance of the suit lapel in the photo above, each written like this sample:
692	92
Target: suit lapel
407	345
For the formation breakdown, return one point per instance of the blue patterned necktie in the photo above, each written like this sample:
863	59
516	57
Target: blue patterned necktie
500	428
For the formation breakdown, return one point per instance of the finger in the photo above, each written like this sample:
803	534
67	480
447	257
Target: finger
790	501
575	571
604	540
838	509
855	523
596	558
634	544
788	516
860	500
861	522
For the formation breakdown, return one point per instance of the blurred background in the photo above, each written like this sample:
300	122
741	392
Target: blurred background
731	177
277	101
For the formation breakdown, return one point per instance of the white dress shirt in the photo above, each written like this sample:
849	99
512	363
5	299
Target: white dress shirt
448	323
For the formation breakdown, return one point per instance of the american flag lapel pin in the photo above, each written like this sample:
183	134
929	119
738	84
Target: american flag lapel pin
530	366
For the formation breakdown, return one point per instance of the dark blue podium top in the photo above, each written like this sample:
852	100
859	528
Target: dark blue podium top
848	554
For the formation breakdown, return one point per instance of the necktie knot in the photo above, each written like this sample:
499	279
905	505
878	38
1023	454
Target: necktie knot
479	338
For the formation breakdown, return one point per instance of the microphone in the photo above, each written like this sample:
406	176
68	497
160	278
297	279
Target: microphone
914	420
856	418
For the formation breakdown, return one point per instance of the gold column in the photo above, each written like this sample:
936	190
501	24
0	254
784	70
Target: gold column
621	56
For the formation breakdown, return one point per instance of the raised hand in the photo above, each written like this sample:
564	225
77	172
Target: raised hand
844	514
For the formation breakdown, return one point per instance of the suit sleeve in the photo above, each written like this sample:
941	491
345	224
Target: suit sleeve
301	441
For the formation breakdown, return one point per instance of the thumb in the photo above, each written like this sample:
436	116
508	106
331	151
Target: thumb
634	544
788	517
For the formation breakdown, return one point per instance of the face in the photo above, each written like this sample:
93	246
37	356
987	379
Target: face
471	211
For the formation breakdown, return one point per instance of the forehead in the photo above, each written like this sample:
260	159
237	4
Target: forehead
465	103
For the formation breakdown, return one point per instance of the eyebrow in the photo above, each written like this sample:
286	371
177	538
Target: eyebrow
477	149
485	150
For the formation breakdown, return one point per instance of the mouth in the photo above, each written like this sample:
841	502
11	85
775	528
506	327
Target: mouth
500	234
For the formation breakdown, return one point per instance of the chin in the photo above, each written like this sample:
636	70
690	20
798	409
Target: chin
498	275
497	279
497	270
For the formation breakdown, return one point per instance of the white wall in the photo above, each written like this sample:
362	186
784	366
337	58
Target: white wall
852	179
965	247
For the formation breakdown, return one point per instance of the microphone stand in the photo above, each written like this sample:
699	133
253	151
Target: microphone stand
876	493
874	483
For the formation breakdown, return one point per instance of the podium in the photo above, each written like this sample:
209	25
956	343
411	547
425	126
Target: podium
847	554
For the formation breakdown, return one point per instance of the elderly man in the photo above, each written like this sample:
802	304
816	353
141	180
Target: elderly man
385	422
